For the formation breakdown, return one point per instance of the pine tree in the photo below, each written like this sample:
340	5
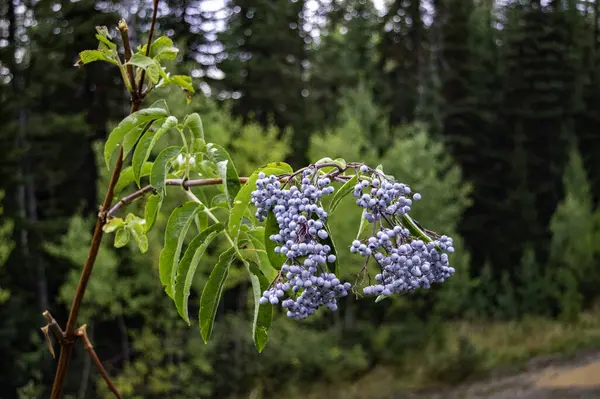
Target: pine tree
264	71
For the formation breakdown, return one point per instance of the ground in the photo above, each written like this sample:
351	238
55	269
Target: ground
544	378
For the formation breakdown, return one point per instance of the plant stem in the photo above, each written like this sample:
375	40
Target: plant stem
87	345
210	214
70	335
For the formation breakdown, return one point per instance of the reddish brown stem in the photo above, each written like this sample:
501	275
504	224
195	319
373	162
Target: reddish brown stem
66	349
87	345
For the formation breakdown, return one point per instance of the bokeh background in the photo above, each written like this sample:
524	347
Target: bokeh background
489	109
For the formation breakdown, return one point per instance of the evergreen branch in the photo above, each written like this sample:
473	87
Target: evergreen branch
87	345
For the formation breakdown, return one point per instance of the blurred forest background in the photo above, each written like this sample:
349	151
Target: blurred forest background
490	109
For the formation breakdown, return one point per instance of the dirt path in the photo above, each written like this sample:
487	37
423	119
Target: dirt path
577	378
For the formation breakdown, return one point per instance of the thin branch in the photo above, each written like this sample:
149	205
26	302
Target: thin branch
124	29
66	349
150	34
87	345
169	182
54	327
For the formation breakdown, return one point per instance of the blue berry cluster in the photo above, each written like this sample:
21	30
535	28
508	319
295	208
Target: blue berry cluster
407	263
301	221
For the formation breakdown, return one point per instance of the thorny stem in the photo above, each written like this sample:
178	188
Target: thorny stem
70	335
87	345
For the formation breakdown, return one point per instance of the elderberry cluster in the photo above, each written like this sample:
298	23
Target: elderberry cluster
406	262
301	221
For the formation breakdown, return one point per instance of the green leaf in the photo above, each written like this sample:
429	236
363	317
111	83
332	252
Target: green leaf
177	227
263	314
161	48
341	193
256	237
211	294
159	168
187	267
333	267
226	170
183	81
157	110
243	197
113	225
138	231
194	123
341	162
105	38
150	65
122	237
272	227
144	148
87	56
152	207
362	227
134	134
126	177
380	298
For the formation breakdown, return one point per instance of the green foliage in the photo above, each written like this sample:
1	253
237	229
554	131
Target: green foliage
6	246
211	294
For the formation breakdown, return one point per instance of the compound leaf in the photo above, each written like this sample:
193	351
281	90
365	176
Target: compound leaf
256	237
187	267
177	227
263	314
87	56
147	142
126	177
155	111
243	197
341	193
159	168
272	227
211	294
151	211
226	170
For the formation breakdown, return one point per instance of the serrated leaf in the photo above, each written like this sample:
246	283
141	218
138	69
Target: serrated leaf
87	56
156	111
341	193
159	168
177	227
187	267
211	294
113	225
263	314
226	170
182	81
150	65
122	237
144	148
194	123
126	177
161	48
242	199
137	228
151	211
134	134
272	227
256	238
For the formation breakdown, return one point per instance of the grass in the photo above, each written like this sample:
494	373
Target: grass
471	351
